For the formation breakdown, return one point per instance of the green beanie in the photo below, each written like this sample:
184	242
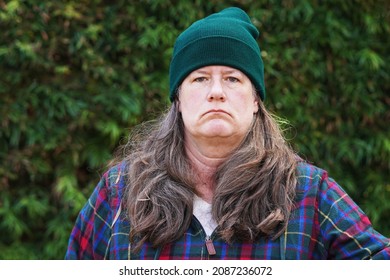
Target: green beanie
225	38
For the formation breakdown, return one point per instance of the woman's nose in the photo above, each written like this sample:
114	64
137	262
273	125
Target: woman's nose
216	91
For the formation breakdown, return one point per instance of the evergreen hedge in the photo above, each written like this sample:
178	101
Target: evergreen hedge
76	76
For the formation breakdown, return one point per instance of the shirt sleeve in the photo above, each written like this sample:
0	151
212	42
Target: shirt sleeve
345	228
92	229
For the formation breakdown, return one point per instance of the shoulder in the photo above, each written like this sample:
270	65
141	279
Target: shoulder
315	189
93	227
309	175
310	179
315	185
108	193
324	208
114	180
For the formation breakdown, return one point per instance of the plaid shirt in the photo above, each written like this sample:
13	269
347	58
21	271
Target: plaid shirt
325	224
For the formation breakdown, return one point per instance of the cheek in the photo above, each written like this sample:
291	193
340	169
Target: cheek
187	112
247	104
189	105
183	107
246	111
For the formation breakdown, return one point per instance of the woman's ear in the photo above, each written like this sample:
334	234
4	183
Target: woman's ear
255	101
177	99
255	106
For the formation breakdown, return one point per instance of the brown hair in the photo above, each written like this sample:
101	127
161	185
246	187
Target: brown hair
254	191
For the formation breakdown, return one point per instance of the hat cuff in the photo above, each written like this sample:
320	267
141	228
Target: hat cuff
217	50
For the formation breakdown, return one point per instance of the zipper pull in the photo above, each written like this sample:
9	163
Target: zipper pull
210	246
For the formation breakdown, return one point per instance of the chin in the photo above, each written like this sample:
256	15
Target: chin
218	131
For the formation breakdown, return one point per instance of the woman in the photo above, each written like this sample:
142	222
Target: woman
214	178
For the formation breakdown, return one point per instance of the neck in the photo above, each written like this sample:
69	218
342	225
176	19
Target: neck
205	159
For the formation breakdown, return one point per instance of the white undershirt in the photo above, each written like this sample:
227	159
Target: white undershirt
202	211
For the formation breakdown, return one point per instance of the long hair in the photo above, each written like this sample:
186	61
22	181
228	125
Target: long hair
254	191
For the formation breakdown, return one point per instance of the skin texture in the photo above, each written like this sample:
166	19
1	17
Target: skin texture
217	106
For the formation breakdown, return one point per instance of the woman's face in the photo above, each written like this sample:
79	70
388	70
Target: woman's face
217	101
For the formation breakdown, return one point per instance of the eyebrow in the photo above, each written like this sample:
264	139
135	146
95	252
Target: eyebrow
224	72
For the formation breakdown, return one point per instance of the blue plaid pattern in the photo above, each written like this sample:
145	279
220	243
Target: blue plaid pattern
325	224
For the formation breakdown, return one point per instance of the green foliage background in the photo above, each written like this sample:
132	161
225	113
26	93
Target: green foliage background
77	75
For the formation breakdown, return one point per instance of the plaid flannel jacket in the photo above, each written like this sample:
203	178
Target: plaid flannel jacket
325	224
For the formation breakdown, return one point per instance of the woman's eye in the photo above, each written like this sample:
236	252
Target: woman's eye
232	79
200	79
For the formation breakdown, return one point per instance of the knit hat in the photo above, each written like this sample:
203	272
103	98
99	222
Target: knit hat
226	38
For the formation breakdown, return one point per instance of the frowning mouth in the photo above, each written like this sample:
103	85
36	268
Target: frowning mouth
216	111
